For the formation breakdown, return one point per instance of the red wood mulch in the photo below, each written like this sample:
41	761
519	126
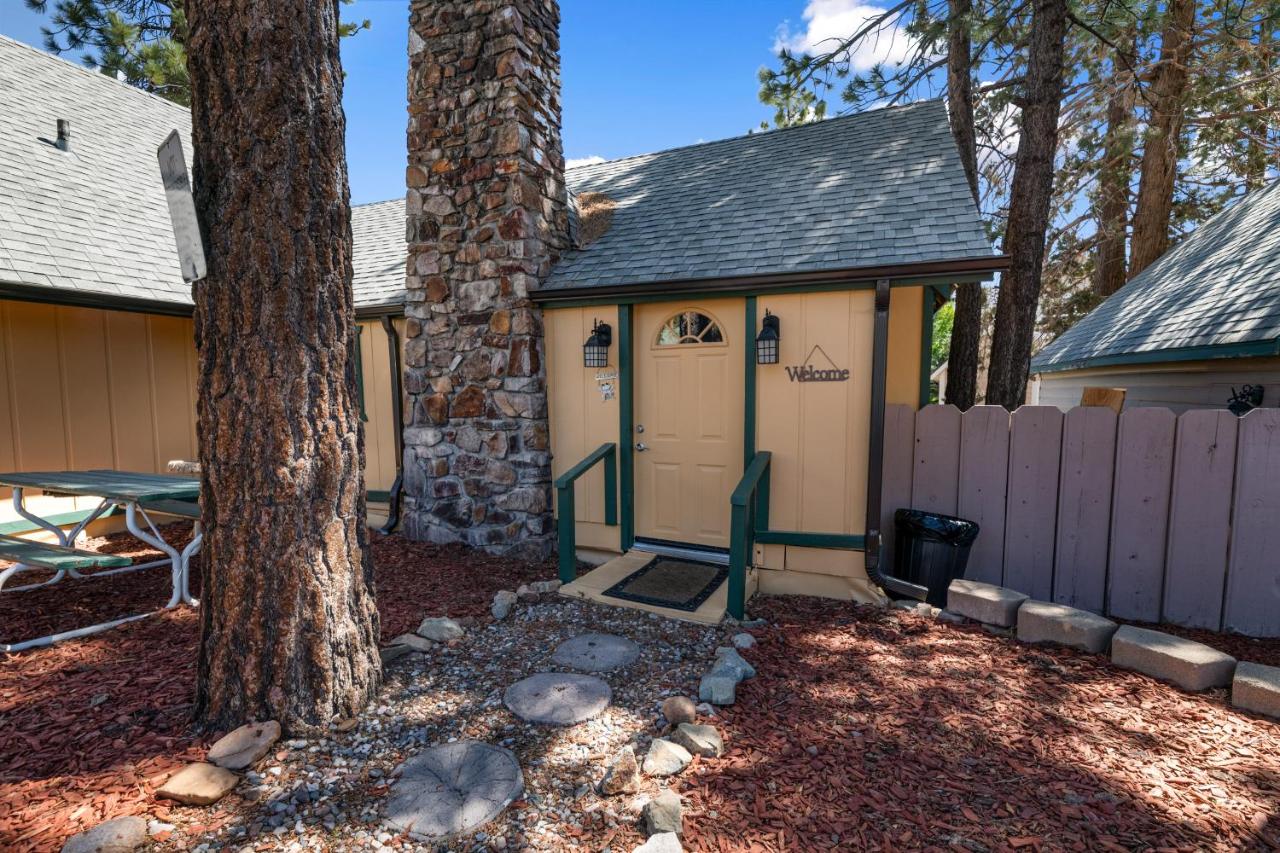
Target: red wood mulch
871	730
89	728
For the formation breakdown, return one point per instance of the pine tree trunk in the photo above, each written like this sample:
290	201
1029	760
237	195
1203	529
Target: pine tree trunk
1029	202
1167	101
966	330
289	630
1114	177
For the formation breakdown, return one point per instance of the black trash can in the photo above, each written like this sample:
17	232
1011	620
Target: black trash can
931	550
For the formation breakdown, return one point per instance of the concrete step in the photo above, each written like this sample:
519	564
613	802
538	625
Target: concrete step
1044	622
993	605
1190	665
1257	688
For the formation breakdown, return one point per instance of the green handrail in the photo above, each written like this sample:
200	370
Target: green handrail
567	530
742	527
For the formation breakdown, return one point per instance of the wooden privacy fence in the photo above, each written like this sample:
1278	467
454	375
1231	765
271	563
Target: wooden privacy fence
1145	516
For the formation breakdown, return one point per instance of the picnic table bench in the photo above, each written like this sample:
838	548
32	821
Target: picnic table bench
139	494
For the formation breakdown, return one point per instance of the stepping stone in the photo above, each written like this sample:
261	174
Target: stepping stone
122	835
557	698
198	784
1043	622
596	653
1257	688
244	746
453	789
1188	664
992	605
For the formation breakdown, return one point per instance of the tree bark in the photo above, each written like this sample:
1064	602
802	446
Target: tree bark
966	330
1167	101
1030	196
289	630
1114	176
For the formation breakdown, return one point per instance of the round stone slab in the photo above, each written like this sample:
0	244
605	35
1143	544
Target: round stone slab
557	698
596	653
453	789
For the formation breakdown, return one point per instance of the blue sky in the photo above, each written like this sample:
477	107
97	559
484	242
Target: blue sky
637	77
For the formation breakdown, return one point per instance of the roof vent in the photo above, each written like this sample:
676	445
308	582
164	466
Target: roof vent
64	134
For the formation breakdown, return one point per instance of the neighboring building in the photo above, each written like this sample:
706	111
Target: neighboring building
1199	324
97	355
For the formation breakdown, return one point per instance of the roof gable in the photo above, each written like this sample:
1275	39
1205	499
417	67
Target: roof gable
1219	289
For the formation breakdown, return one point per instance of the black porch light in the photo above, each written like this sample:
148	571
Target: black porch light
595	352
767	340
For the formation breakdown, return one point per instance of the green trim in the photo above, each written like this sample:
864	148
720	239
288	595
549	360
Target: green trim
1251	349
566	517
926	343
626	428
378	496
676	295
749	381
64	519
742	527
56	557
837	541
364	414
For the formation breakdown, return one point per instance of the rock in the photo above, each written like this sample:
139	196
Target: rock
622	775
345	724
198	784
949	617
666	758
1257	688
679	709
728	661
244	746
1190	665
121	835
596	653
1042	622
440	628
704	709
157	827
984	602
743	641
664	813
557	698
718	689
663	842
906	604
503	601
544	587
527	595
452	789
414	643
699	740
389	653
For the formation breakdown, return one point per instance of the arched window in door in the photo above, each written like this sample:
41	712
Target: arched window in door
689	327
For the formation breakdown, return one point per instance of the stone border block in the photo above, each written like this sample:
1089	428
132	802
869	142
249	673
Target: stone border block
1045	622
1257	688
1188	664
988	603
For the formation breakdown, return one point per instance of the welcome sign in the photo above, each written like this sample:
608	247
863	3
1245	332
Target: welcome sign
825	371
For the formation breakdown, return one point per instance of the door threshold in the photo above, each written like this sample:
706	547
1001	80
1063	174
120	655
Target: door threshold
696	553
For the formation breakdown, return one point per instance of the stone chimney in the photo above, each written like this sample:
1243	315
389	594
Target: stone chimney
487	218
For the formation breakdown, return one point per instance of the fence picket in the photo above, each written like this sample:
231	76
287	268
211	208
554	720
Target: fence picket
899	460
935	481
1035	446
1204	464
1253	582
1084	507
984	476
1140	513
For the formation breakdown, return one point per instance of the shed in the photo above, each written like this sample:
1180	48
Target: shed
1189	331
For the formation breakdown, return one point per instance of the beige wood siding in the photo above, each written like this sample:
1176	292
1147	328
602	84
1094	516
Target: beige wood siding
1179	386
581	420
85	388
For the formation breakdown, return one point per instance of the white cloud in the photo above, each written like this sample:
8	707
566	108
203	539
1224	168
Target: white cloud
828	22
575	162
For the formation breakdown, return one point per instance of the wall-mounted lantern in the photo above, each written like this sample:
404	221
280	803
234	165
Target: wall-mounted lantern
595	352
767	340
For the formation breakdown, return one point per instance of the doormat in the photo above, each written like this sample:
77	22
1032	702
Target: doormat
664	582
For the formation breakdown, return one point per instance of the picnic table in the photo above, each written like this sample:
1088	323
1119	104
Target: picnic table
141	496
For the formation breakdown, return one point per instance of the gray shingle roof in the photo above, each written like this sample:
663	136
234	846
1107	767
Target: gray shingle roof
869	189
379	252
1219	287
94	219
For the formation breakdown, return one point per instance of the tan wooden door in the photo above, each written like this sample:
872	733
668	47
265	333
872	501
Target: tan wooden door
688	419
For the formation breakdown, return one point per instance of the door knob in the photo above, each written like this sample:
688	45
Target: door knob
641	446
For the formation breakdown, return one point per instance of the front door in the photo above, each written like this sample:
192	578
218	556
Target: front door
688	419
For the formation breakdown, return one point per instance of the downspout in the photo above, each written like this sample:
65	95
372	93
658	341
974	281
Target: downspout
397	409
875	451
